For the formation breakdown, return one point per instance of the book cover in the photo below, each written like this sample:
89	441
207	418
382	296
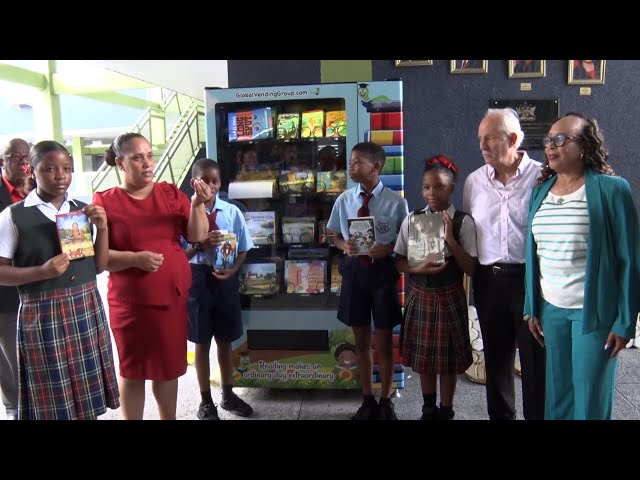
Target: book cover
298	229
250	124
297	182
426	239
226	252
262	227
288	125
332	182
324	235
258	279
74	233
312	124
336	122
305	276
336	278
362	231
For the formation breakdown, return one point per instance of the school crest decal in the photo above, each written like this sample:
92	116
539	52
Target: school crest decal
383	227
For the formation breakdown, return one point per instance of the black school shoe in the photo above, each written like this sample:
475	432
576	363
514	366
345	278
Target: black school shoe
445	413
429	412
208	411
234	404
369	410
387	411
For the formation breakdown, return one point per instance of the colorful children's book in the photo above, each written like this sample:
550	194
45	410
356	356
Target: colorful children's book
426	238
332	182
336	278
336	122
74	233
262	227
288	125
250	125
297	182
258	279
324	235
312	124
298	229
305	276
362	231
226	252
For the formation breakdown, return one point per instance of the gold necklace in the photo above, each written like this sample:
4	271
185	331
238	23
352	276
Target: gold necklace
569	190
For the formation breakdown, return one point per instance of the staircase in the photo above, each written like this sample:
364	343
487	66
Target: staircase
175	151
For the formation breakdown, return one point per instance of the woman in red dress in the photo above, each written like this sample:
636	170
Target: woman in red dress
149	277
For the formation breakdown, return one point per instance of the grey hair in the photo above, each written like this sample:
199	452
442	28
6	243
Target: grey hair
509	123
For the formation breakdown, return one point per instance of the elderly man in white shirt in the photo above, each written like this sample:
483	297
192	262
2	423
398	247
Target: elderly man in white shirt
497	197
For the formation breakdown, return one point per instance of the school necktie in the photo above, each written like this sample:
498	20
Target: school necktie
363	211
212	221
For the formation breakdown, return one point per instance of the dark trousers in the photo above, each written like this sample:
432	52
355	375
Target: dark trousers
498	294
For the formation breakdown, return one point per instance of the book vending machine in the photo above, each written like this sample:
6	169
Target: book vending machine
283	155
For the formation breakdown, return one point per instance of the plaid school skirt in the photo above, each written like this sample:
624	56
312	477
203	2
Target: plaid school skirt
435	331
65	358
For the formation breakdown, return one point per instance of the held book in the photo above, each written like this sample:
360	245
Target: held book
74	233
362	231
226	252
425	241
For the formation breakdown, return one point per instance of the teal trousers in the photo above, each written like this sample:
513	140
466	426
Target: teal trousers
580	383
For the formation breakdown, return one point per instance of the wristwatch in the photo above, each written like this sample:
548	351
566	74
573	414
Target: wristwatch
526	318
196	247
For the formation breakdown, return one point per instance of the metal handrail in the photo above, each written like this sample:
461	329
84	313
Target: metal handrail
191	118
143	121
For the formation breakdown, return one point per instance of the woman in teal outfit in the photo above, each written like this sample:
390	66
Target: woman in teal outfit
582	270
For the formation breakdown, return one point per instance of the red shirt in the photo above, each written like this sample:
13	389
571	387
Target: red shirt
13	191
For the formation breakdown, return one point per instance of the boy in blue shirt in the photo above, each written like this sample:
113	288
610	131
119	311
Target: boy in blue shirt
214	298
369	282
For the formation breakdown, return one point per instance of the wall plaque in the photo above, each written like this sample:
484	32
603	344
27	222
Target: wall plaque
536	118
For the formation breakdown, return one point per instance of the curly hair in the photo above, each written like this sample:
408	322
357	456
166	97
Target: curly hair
595	152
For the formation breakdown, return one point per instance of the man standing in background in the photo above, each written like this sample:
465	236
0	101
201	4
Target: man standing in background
14	187
497	196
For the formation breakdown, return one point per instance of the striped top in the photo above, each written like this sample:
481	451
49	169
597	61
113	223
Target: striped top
560	229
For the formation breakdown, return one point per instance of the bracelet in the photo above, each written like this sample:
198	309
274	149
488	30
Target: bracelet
526	318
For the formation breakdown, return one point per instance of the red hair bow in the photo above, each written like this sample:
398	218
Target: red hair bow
443	161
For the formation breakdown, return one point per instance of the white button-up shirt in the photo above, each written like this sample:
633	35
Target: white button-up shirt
500	211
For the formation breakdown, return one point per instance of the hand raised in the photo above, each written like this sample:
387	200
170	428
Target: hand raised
97	216
202	192
149	261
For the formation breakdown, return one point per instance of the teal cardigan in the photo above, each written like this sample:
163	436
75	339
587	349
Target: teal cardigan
612	283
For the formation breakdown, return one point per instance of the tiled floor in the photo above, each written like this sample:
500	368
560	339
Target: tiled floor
284	404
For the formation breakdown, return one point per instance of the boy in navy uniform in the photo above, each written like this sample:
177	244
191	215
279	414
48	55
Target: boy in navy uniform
214	298
369	281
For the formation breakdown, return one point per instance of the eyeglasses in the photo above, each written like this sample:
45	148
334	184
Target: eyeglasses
559	140
16	157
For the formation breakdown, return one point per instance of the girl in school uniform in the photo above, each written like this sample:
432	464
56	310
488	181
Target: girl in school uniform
435	336
65	359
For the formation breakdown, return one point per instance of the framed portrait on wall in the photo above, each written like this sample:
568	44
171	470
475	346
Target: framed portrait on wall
586	72
469	66
413	63
527	68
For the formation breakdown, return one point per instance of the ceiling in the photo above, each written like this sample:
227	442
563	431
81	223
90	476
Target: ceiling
189	77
